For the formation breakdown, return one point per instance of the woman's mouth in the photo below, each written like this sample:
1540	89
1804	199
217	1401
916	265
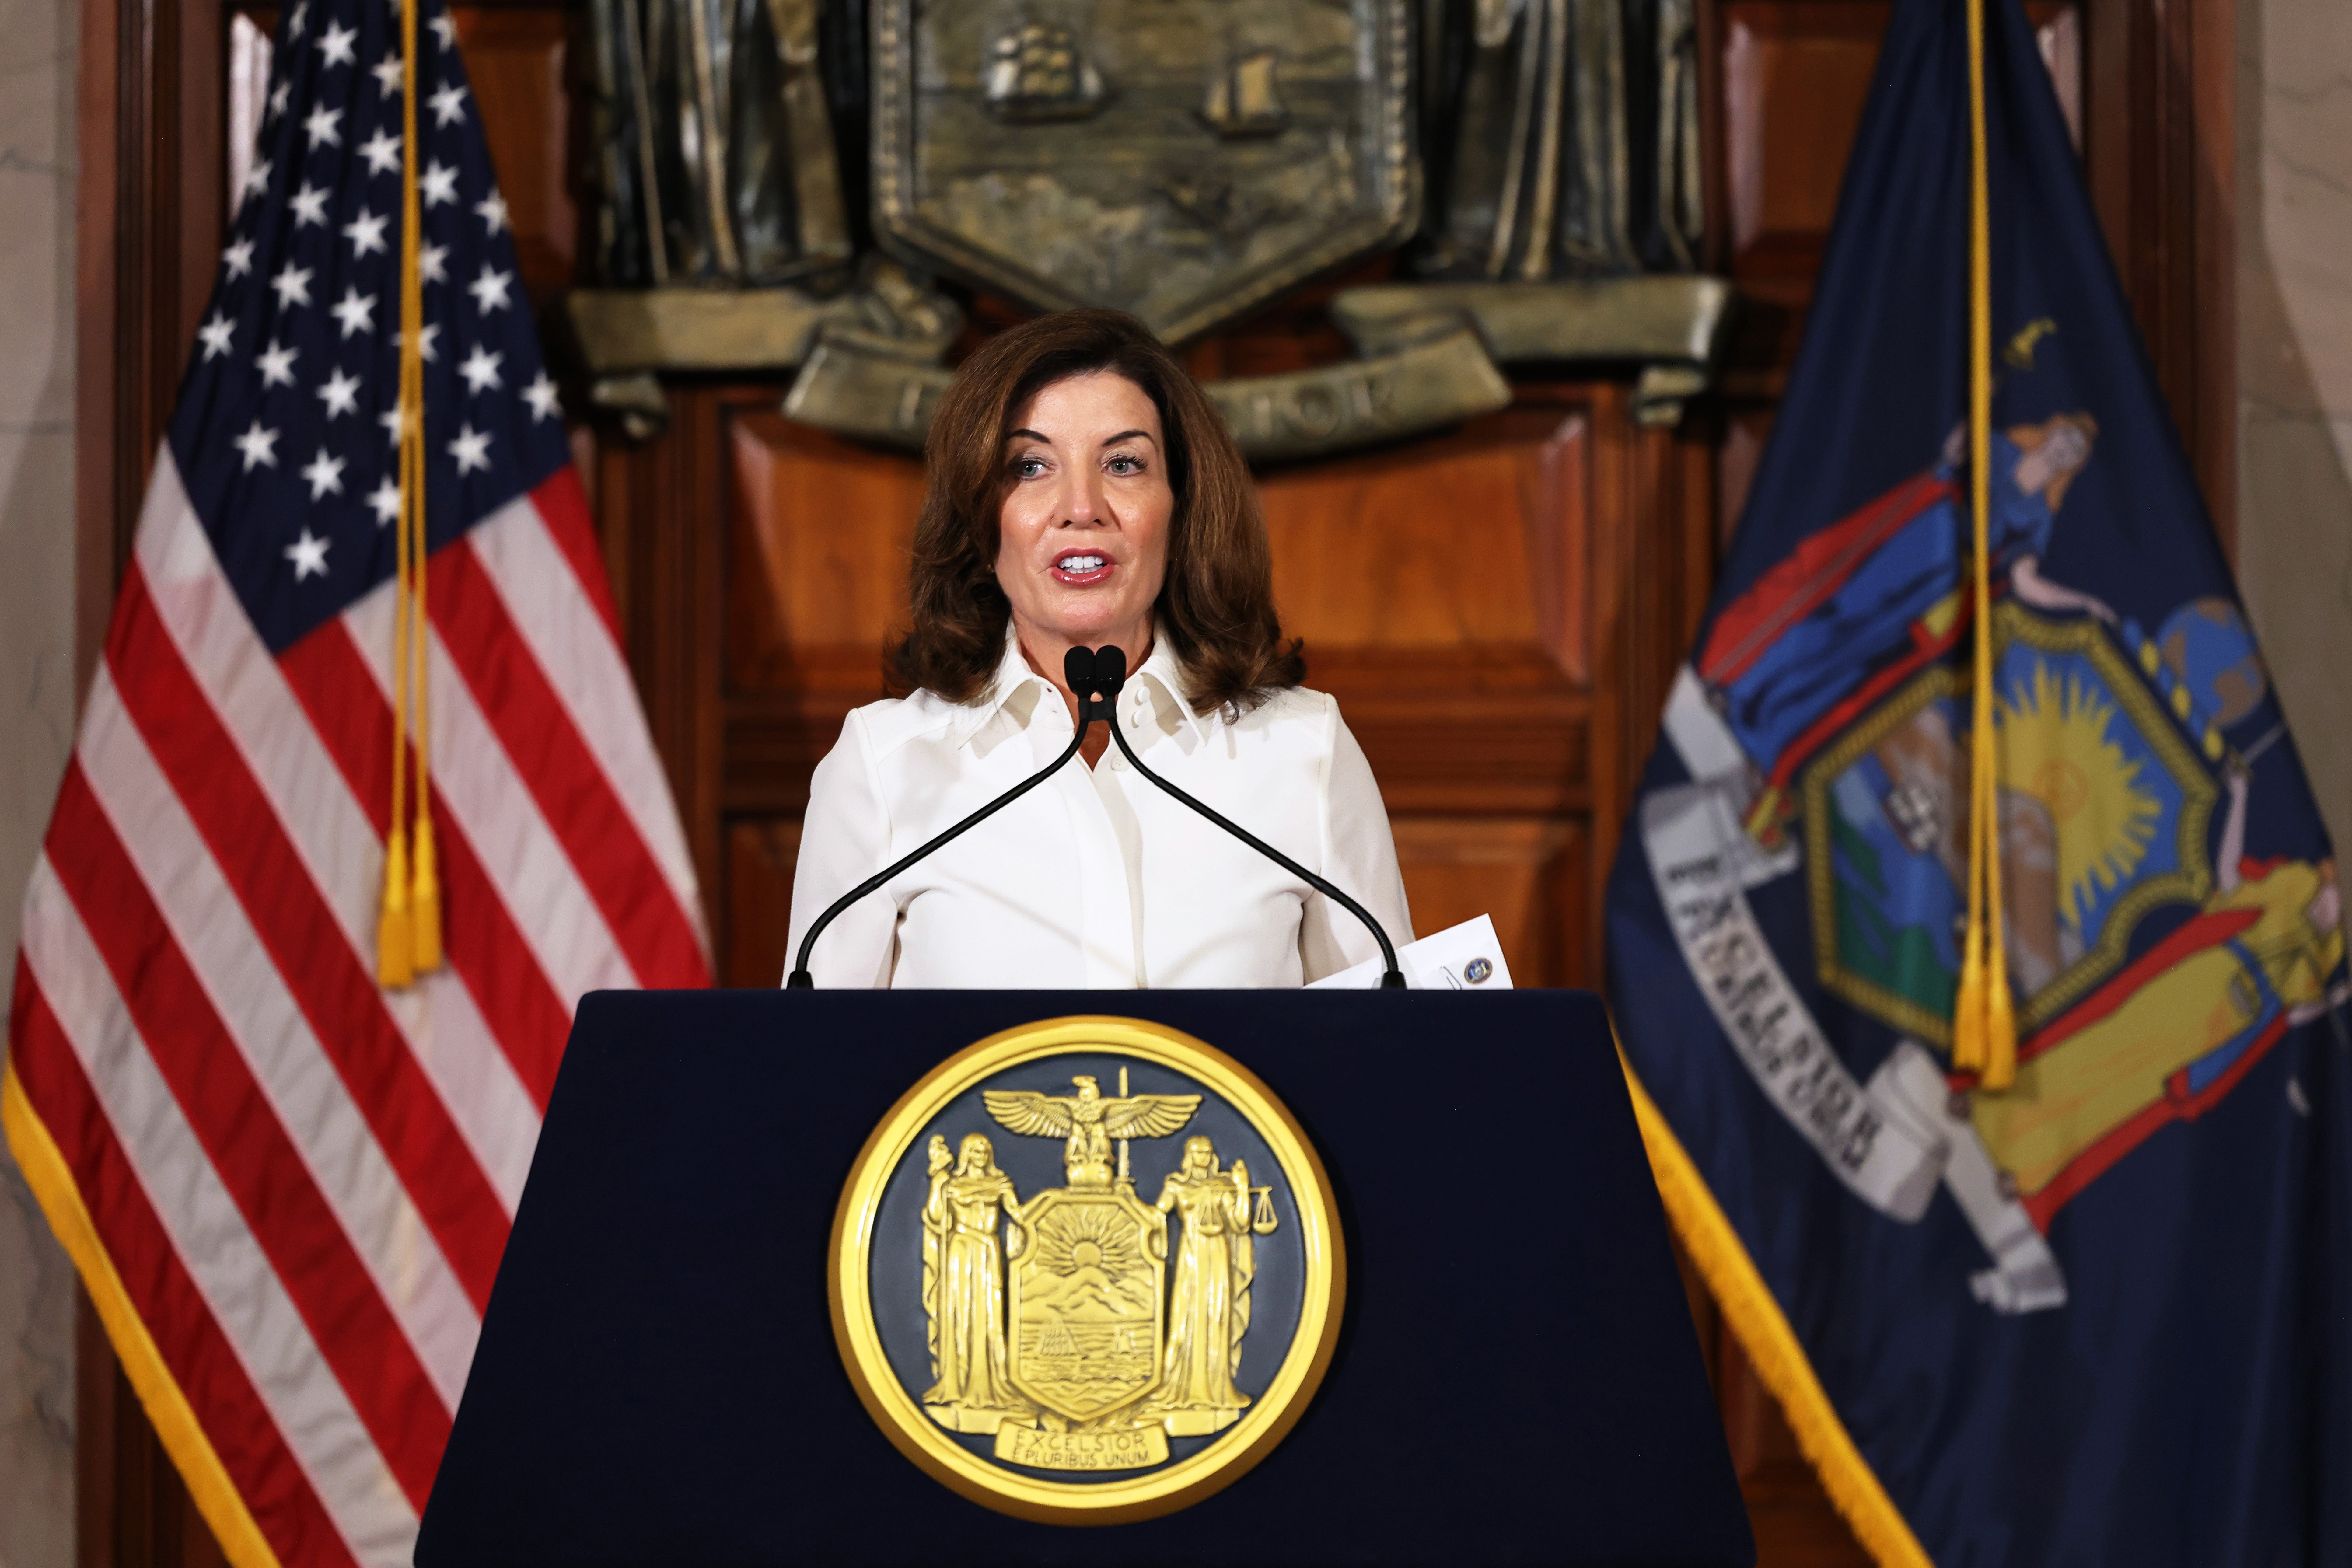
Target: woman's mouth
1082	568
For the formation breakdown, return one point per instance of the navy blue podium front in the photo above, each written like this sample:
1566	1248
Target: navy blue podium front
1515	1378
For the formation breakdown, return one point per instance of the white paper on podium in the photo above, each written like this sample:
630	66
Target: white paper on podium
1460	958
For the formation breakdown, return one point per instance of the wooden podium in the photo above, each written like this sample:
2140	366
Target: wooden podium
1517	1379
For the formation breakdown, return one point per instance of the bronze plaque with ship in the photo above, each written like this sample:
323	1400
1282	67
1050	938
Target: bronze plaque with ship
1228	152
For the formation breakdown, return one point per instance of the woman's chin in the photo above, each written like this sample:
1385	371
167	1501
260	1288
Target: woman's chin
1086	620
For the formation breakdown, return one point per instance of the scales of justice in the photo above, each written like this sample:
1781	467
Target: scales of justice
1055	1323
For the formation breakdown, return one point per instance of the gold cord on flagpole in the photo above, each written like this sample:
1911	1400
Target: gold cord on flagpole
1984	1025
425	889
411	887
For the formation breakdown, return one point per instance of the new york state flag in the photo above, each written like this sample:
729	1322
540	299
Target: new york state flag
2103	1314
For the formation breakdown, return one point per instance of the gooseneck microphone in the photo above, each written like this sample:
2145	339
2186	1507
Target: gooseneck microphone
1077	664
1105	678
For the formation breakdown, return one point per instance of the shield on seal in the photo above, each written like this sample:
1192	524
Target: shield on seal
1182	160
1088	1284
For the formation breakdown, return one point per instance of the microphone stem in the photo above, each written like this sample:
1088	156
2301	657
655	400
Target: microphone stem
800	980
1391	979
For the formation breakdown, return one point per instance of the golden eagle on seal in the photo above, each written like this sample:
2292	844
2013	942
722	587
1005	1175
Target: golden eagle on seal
1089	1121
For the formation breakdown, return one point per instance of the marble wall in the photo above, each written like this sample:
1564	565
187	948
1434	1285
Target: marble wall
2294	370
37	562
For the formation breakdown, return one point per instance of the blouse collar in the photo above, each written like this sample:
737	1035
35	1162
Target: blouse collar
1017	690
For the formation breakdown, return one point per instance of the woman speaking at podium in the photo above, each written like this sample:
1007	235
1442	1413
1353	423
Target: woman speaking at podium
1083	493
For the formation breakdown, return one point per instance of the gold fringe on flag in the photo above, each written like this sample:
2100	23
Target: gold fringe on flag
1984	1020
408	925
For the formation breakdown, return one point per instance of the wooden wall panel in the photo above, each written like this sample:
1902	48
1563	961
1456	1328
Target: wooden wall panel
1528	873
761	854
819	532
522	63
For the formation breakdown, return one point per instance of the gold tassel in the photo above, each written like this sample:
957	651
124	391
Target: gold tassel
396	936
1969	1054
1999	1069
426	897
425	884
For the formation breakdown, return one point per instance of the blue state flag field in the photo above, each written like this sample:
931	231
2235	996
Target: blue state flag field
2101	1314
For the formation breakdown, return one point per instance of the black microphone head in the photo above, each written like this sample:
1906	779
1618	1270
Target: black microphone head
1078	672
1110	670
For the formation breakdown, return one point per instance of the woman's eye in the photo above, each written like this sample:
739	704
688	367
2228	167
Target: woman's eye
1029	467
1126	466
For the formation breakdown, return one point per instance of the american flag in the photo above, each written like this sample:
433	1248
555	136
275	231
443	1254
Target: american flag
286	1186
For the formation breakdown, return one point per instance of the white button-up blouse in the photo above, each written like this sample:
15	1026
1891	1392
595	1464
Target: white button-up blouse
1096	879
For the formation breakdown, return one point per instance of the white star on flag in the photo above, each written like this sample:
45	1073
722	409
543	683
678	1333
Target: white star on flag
294	23
386	72
446	110
382	151
384	499
445	27
439	185
356	312
215	334
489	290
336	43
432	263
237	259
277	364
493	209
293	285
309	206
471	449
424	339
277	97
392	421
541	395
321	127
366	233
309	554
256	179
480	370
258	446
325	474
341	393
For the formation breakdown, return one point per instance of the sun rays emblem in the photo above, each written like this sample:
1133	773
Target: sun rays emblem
2058	744
1087	1239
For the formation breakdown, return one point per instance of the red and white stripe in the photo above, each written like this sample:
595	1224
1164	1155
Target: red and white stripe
303	1181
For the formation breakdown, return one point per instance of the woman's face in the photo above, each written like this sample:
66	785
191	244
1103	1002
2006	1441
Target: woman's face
1082	531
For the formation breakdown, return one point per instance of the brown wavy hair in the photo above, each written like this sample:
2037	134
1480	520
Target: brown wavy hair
1216	608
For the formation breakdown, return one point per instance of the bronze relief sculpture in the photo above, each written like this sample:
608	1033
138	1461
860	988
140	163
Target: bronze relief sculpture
780	181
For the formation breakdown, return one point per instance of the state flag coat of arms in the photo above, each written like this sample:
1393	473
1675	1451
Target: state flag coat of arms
2095	1309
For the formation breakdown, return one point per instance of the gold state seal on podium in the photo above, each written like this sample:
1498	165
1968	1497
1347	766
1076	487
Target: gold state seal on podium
1087	1271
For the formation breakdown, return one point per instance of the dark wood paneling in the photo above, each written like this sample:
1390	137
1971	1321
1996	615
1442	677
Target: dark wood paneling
1528	872
2159	148
524	63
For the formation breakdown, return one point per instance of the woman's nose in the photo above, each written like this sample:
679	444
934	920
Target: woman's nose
1083	502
